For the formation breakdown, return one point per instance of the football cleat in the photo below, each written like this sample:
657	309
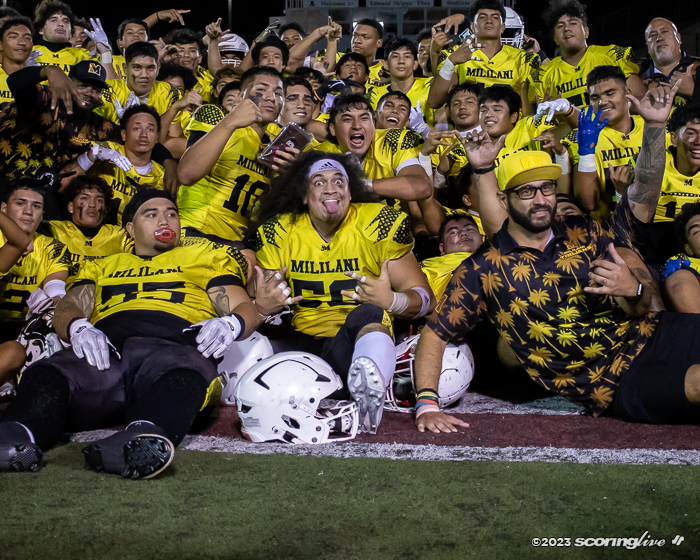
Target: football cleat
366	386
17	452
136	452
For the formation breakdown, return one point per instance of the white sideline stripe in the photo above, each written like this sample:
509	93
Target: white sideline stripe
402	451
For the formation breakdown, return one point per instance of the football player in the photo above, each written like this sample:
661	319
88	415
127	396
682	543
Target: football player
401	60
125	167
459	237
367	37
221	175
681	184
337	251
485	58
271	52
298	108
15	48
190	56
393	110
352	66
681	273
565	76
53	20
389	157
86	234
129	31
668	61
37	279
146	329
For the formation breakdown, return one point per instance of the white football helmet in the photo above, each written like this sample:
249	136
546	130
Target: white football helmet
514	31
238	359
455	377
39	338
233	43
280	400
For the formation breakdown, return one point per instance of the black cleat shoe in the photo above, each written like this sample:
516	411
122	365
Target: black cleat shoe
137	452
17	452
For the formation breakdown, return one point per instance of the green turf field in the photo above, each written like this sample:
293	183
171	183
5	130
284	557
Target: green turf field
219	505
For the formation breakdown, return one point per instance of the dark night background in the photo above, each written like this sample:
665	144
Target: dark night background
621	23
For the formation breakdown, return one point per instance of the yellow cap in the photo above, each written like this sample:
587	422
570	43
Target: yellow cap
523	167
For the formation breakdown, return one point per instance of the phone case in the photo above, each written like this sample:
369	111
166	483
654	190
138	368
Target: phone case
292	136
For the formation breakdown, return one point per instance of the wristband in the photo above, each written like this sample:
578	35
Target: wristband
571	110
426	408
640	291
369	185
106	57
586	164
84	161
399	304
447	70
55	288
440	180
424	301
241	326
484	170
563	160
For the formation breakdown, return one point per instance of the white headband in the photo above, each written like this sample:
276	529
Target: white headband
327	165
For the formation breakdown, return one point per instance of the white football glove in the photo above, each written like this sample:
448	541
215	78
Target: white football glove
216	335
131	101
417	123
108	154
38	302
91	343
31	61
552	108
98	35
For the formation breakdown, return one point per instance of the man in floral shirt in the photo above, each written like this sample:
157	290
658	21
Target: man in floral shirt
561	296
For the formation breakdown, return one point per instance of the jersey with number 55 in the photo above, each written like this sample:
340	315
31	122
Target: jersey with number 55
221	202
370	234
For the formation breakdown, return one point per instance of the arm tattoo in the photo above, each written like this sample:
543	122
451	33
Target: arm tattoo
219	300
649	171
83	297
80	300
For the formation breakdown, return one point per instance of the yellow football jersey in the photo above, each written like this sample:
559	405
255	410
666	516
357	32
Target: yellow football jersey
370	234
161	98
438	270
419	92
509	66
457	158
125	184
221	202
613	148
5	93
174	282
391	151
521	137
64	58
119	64
569	82
676	190
48	257
109	240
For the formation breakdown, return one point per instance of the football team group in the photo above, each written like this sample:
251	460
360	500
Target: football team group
316	237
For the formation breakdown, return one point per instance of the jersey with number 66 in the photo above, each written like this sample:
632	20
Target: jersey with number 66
370	234
221	202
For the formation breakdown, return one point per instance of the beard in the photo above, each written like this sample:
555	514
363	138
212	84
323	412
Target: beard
527	222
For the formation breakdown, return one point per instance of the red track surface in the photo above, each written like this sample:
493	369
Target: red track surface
504	430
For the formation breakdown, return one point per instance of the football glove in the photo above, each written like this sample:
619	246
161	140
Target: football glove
98	35
589	128
216	335
551	108
108	154
673	265
91	343
417	123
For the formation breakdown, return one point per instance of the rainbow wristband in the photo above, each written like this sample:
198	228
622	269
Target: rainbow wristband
427	408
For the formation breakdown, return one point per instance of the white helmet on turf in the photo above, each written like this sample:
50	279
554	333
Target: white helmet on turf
515	29
455	377
279	400
238	359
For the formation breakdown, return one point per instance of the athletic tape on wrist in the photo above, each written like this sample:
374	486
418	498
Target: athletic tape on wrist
241	326
424	301
84	161
106	58
55	288
586	164
563	160
399	304
447	70
426	164
427	408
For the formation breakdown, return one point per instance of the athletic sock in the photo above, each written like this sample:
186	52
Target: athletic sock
172	403
41	405
378	347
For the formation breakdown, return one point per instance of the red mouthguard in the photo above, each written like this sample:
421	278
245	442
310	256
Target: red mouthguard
165	234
